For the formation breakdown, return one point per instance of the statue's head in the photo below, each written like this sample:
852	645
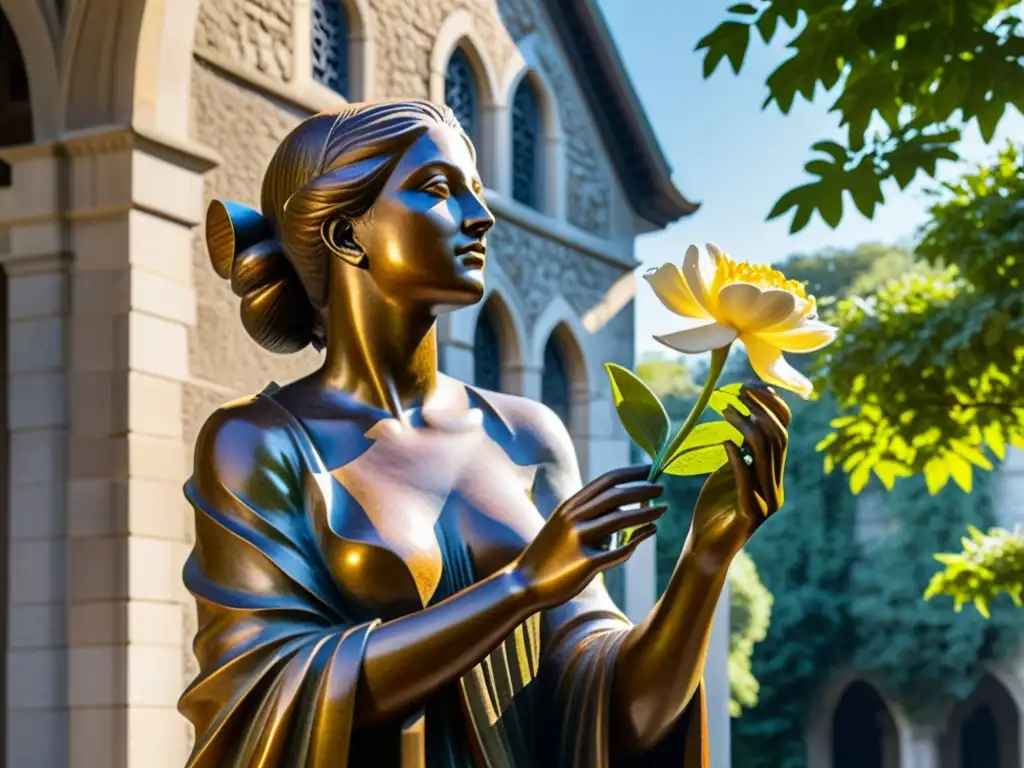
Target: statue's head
382	196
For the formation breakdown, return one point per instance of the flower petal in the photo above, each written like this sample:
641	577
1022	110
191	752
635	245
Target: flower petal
768	363
700	338
735	301
698	274
750	309
809	336
671	289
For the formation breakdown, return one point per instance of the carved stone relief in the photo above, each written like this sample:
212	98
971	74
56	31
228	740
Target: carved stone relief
540	268
405	35
590	180
254	33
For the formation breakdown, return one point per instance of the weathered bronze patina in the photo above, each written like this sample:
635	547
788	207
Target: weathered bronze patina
378	544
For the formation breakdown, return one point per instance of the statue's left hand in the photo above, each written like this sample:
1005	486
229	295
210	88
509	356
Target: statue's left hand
742	494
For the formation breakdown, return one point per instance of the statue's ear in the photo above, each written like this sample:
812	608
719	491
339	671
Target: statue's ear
337	235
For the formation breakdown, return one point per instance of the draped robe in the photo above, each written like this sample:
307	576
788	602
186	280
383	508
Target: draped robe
281	642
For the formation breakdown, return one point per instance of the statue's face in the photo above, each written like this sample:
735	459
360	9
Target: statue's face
424	237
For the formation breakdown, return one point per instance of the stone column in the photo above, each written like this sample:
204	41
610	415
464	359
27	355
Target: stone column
36	266
918	748
716	684
133	201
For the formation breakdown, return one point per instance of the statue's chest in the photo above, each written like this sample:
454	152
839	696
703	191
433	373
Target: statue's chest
384	520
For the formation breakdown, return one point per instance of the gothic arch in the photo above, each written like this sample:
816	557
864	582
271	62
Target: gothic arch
459	31
129	62
362	49
498	311
987	726
528	63
36	28
551	183
820	727
559	323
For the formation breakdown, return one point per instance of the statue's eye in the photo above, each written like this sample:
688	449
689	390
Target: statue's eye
437	187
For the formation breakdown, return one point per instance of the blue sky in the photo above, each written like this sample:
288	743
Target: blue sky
734	158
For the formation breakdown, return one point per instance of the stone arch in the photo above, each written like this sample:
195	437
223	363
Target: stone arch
459	33
846	691
984	730
551	181
497	311
559	324
35	28
129	62
361	48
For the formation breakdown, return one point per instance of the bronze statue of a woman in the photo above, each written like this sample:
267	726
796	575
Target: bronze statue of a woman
378	540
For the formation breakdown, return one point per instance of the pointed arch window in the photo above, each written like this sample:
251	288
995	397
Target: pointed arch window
487	351
461	92
526	144
555	389
329	42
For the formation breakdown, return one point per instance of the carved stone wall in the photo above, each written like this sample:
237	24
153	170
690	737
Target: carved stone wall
591	181
405	37
541	268
256	34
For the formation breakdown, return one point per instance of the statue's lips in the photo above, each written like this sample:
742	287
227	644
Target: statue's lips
472	256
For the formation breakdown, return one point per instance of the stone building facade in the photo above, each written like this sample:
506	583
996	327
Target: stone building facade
119	121
856	722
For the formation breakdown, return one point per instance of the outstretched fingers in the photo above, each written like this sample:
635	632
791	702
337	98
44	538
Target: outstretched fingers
619	555
594	530
614	498
608	481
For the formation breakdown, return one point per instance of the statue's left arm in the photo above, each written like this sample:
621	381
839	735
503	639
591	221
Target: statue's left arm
642	684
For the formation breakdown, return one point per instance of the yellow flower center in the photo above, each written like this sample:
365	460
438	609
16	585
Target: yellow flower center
728	271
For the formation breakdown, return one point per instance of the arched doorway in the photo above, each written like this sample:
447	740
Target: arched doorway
15	107
984	730
487	349
863	730
564	385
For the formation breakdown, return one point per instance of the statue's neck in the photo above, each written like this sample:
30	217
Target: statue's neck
382	354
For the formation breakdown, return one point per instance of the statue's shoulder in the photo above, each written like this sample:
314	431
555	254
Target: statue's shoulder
247	436
531	422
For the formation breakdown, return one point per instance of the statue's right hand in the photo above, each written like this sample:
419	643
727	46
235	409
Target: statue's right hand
567	552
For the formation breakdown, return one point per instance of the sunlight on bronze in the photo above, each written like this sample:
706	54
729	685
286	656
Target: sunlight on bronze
391	567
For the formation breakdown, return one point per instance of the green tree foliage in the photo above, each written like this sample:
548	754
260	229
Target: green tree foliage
930	368
841	601
750	603
907	76
750	614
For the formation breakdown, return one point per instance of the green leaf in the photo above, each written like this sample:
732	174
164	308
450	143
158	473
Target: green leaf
960	471
640	411
936	475
698	461
859	478
724	397
994	437
728	40
745	9
708	434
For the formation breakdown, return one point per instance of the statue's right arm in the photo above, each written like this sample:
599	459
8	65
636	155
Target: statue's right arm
256	573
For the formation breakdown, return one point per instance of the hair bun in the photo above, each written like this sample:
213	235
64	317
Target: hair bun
230	229
276	310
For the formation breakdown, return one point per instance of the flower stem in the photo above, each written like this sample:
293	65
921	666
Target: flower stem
718	357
